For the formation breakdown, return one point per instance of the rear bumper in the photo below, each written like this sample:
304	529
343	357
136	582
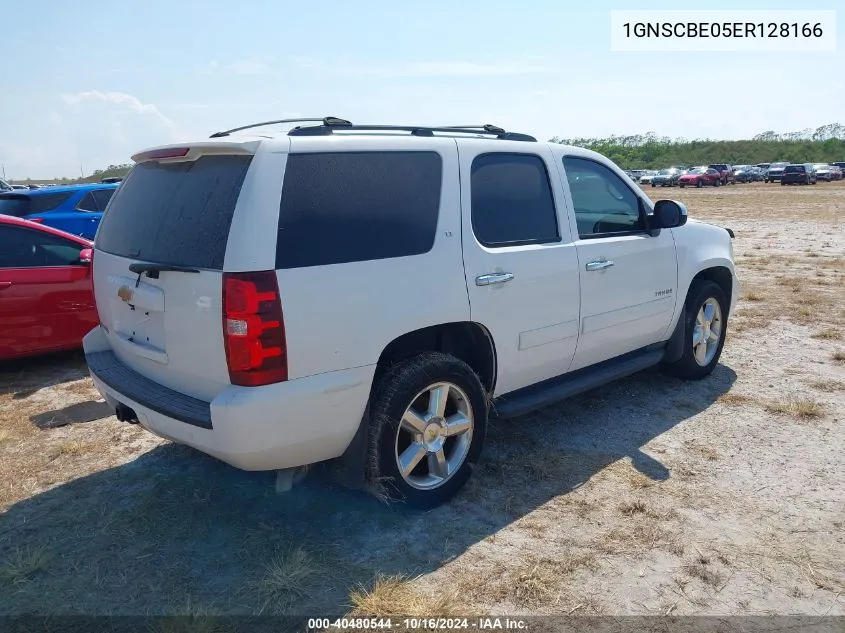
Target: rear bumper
283	425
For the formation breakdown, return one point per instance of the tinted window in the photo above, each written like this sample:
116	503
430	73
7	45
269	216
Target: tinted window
87	203
357	206
603	202
102	196
25	248
794	169
175	213
512	200
20	205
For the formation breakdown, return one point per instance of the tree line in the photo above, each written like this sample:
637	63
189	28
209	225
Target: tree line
825	144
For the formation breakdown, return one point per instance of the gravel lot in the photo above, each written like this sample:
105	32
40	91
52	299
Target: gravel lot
648	496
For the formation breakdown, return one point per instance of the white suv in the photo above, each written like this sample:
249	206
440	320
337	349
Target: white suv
373	293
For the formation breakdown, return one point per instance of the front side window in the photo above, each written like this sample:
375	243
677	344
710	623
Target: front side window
604	204
25	248
512	201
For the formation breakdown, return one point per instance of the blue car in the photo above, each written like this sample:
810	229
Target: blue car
75	209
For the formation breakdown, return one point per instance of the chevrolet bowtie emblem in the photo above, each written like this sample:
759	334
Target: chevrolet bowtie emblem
126	293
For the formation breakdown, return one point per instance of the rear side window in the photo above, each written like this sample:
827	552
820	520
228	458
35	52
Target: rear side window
18	205
87	203
102	196
175	213
342	207
512	200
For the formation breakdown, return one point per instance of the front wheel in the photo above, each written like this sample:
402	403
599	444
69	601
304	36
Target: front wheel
704	331
428	418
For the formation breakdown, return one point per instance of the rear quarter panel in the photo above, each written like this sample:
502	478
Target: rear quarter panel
342	316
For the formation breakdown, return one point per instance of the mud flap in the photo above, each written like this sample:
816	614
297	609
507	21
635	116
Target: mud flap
675	345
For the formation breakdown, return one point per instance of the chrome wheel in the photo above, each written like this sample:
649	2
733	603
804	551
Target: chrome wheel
434	436
707	333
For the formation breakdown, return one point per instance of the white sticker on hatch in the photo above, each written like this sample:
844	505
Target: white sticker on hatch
204	303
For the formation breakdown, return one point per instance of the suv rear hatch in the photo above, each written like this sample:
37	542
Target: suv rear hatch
158	264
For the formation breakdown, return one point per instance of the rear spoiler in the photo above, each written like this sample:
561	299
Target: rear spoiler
192	151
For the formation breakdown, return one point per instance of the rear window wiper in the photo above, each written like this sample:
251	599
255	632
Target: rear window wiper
153	270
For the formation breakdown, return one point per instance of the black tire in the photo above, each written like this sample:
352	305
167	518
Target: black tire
653	185
718	183
687	367
394	392
699	183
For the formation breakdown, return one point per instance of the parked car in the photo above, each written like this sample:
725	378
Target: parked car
667	177
19	187
763	166
744	173
823	171
46	295
836	172
840	164
775	171
800	174
700	177
647	177
725	172
112	179
254	329
75	209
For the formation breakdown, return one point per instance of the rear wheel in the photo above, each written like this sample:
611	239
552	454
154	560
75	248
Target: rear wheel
428	418
704	331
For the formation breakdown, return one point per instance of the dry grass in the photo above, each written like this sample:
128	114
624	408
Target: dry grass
390	596
828	334
23	564
735	399
827	385
702	570
838	355
754	295
68	448
707	452
288	576
804	409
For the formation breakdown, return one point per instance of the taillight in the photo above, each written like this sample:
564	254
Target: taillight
254	329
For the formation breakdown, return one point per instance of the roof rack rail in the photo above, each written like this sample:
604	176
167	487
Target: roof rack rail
415	130
329	121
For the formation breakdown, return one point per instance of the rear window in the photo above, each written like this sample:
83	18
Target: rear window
794	169
175	213
19	205
340	207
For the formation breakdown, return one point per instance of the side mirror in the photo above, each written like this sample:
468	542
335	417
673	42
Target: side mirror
86	256
669	214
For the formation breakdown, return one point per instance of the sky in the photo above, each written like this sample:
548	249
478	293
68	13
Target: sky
84	85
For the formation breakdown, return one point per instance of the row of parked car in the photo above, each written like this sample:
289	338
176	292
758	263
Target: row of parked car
75	209
718	174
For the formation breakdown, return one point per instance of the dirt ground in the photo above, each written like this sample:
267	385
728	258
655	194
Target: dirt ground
650	496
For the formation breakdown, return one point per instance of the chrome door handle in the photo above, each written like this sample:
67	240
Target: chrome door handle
493	278
599	264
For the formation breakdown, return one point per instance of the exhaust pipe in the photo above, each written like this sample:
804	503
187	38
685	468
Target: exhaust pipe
125	414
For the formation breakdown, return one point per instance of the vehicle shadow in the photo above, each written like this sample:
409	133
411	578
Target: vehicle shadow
176	532
23	377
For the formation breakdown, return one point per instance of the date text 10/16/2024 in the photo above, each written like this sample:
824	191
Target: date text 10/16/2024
410	624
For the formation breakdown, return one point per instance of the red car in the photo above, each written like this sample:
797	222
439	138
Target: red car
700	176
46	294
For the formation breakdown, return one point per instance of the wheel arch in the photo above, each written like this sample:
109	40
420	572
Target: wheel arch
467	340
